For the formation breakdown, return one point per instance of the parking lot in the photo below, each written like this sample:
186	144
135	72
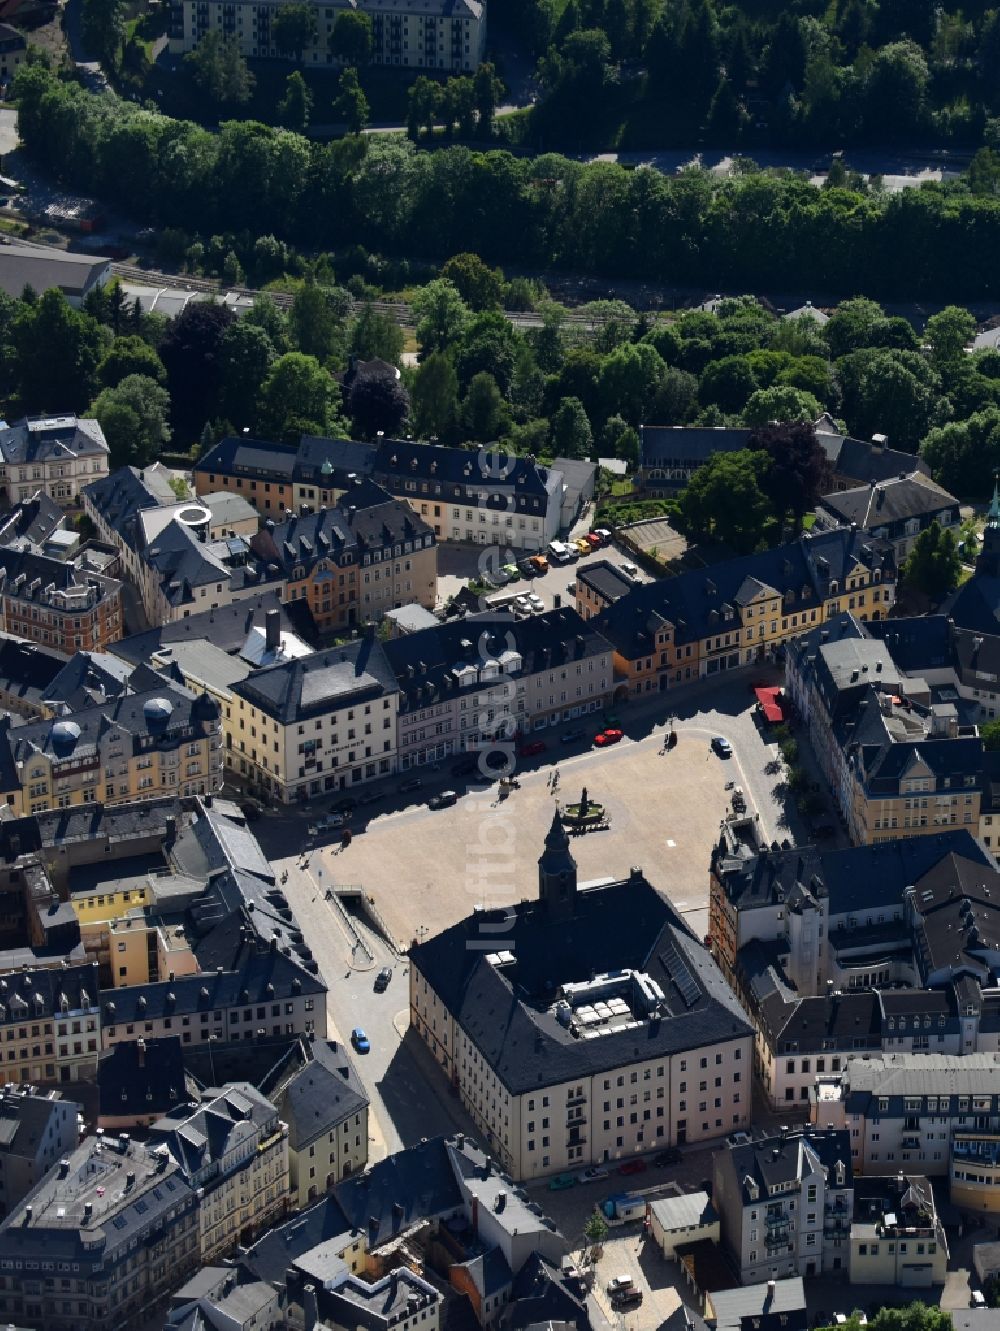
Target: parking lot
457	564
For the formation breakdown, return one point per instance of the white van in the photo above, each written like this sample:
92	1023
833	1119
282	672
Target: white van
560	553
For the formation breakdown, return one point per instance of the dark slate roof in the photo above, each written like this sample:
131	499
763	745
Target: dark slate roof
320	1093
355	672
976	605
773	1161
226	628
895	500
199	1134
40	994
686	446
242	455
851	1021
957	909
27	575
916	643
606	579
332	462
507	1012
25	1120
27	669
189	717
540	1296
759	1308
90	678
708	601
497	480
367	519
120	497
262	977
132	1081
51	438
425	663
32	520
420	1179
860	461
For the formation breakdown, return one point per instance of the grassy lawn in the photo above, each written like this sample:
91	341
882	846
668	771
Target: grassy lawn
622	485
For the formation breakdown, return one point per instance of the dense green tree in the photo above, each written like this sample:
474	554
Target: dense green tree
442	315
298	397
133	415
351	39
620	440
56	353
376	336
949	332
489	342
480	286
351	105
963	455
316	320
785	57
895	393
780	403
219	69
294	27
190	353
727	383
727	117
246	354
129	355
629	381
377	401
897	88
676	399
852	326
458	105
571	433
989	733
484	412
933	565
423	105
726	500
103	29
799	471
486	88
435	397
295	107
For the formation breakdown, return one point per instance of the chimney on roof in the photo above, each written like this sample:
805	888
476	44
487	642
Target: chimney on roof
272	630
879	442
140	1047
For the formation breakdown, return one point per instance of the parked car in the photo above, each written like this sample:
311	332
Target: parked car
571	736
382	979
583	545
444	800
251	810
360	1041
738	1139
414	783
522	604
603	533
722	746
539	563
532	747
562	1181
372	797
528	567
593	1173
628	1298
607	737
739	800
465	767
594	540
513	572
347	805
631	569
671	1156
632	1167
536	602
619	1284
327	823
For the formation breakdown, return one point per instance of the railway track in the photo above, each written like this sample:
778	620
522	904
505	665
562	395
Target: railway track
397	310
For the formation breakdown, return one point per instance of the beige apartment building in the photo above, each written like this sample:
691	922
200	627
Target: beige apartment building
320	723
233	1150
57	454
616	972
447	35
135	747
49	1025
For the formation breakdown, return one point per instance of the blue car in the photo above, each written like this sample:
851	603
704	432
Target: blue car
360	1040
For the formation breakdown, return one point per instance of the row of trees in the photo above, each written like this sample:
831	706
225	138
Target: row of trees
756	231
815	73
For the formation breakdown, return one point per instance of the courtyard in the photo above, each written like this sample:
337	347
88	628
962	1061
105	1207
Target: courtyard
424	869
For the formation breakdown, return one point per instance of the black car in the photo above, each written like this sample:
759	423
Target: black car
669	1157
465	767
347	805
444	800
251	811
413	784
382	979
372	797
571	736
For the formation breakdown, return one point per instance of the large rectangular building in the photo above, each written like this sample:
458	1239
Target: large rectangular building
445	35
583	1027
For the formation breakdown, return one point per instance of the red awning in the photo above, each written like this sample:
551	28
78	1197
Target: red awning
771	703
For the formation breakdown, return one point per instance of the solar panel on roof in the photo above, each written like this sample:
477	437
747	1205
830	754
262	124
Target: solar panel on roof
680	976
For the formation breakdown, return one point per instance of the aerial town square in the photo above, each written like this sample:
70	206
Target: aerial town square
499	665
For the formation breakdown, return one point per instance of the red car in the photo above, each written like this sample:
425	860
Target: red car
532	747
632	1167
594	540
608	737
